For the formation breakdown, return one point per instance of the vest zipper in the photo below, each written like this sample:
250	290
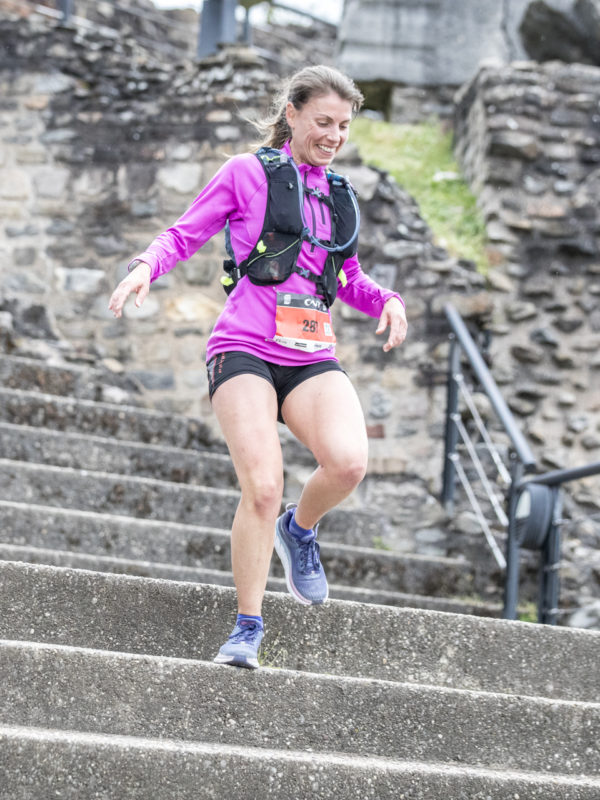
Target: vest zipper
321	204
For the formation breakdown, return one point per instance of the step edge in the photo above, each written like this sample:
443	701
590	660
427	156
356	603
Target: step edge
115	407
114	443
104	516
328	548
501	624
83	473
265	672
82	738
273	581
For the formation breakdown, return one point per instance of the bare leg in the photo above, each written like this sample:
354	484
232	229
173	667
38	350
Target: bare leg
324	413
246	408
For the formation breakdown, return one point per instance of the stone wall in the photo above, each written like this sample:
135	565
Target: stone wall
528	139
105	144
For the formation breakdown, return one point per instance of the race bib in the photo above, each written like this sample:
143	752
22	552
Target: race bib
303	322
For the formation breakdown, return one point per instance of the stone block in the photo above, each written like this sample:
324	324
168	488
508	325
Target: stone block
519	311
54	82
92	183
22	282
513	144
219	115
59	136
193	308
201	270
86	281
51	181
15	185
109	246
149	309
31	153
364	179
183	178
227	133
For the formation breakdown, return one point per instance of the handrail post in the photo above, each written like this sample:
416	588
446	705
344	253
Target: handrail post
66	9
550	565
451	435
217	26
511	579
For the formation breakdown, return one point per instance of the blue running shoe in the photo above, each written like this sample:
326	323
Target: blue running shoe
241	649
304	574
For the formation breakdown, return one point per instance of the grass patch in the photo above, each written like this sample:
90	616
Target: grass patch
420	158
527	612
380	544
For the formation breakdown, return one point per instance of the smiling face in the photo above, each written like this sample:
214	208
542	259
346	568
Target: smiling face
319	129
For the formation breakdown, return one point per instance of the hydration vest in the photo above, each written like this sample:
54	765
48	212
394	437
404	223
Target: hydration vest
274	257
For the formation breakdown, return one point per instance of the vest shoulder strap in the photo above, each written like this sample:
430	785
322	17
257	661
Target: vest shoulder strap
274	256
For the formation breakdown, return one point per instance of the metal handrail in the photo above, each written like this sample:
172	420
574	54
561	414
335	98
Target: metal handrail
533	520
484	376
560	476
540	529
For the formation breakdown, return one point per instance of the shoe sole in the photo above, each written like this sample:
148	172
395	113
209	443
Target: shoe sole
234	661
282	552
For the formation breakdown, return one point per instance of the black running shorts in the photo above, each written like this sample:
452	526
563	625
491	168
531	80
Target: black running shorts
283	379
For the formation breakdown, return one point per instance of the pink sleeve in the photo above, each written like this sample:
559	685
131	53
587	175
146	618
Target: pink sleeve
227	193
361	292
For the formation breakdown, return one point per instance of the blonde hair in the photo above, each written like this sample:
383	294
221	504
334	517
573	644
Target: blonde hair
301	87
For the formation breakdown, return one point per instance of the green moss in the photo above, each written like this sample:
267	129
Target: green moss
380	544
527	612
420	158
272	655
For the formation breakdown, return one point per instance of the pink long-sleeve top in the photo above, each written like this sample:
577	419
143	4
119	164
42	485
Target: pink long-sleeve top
238	193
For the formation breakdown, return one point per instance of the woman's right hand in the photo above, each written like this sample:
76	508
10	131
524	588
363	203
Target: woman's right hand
137	281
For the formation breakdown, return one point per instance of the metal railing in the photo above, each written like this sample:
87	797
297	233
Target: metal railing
217	23
533	503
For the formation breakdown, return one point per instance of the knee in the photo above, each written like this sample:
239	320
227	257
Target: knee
349	470
265	495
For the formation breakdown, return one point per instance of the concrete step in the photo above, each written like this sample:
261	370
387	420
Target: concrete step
138	695
142	768
173	545
339	591
191	621
64	487
151	499
97	453
103	419
69	380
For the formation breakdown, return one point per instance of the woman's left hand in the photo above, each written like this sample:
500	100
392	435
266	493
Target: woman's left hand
394	316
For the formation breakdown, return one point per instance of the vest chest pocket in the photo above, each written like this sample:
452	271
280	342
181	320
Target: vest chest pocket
276	262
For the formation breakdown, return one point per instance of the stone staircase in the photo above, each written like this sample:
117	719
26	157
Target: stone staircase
115	594
120	488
